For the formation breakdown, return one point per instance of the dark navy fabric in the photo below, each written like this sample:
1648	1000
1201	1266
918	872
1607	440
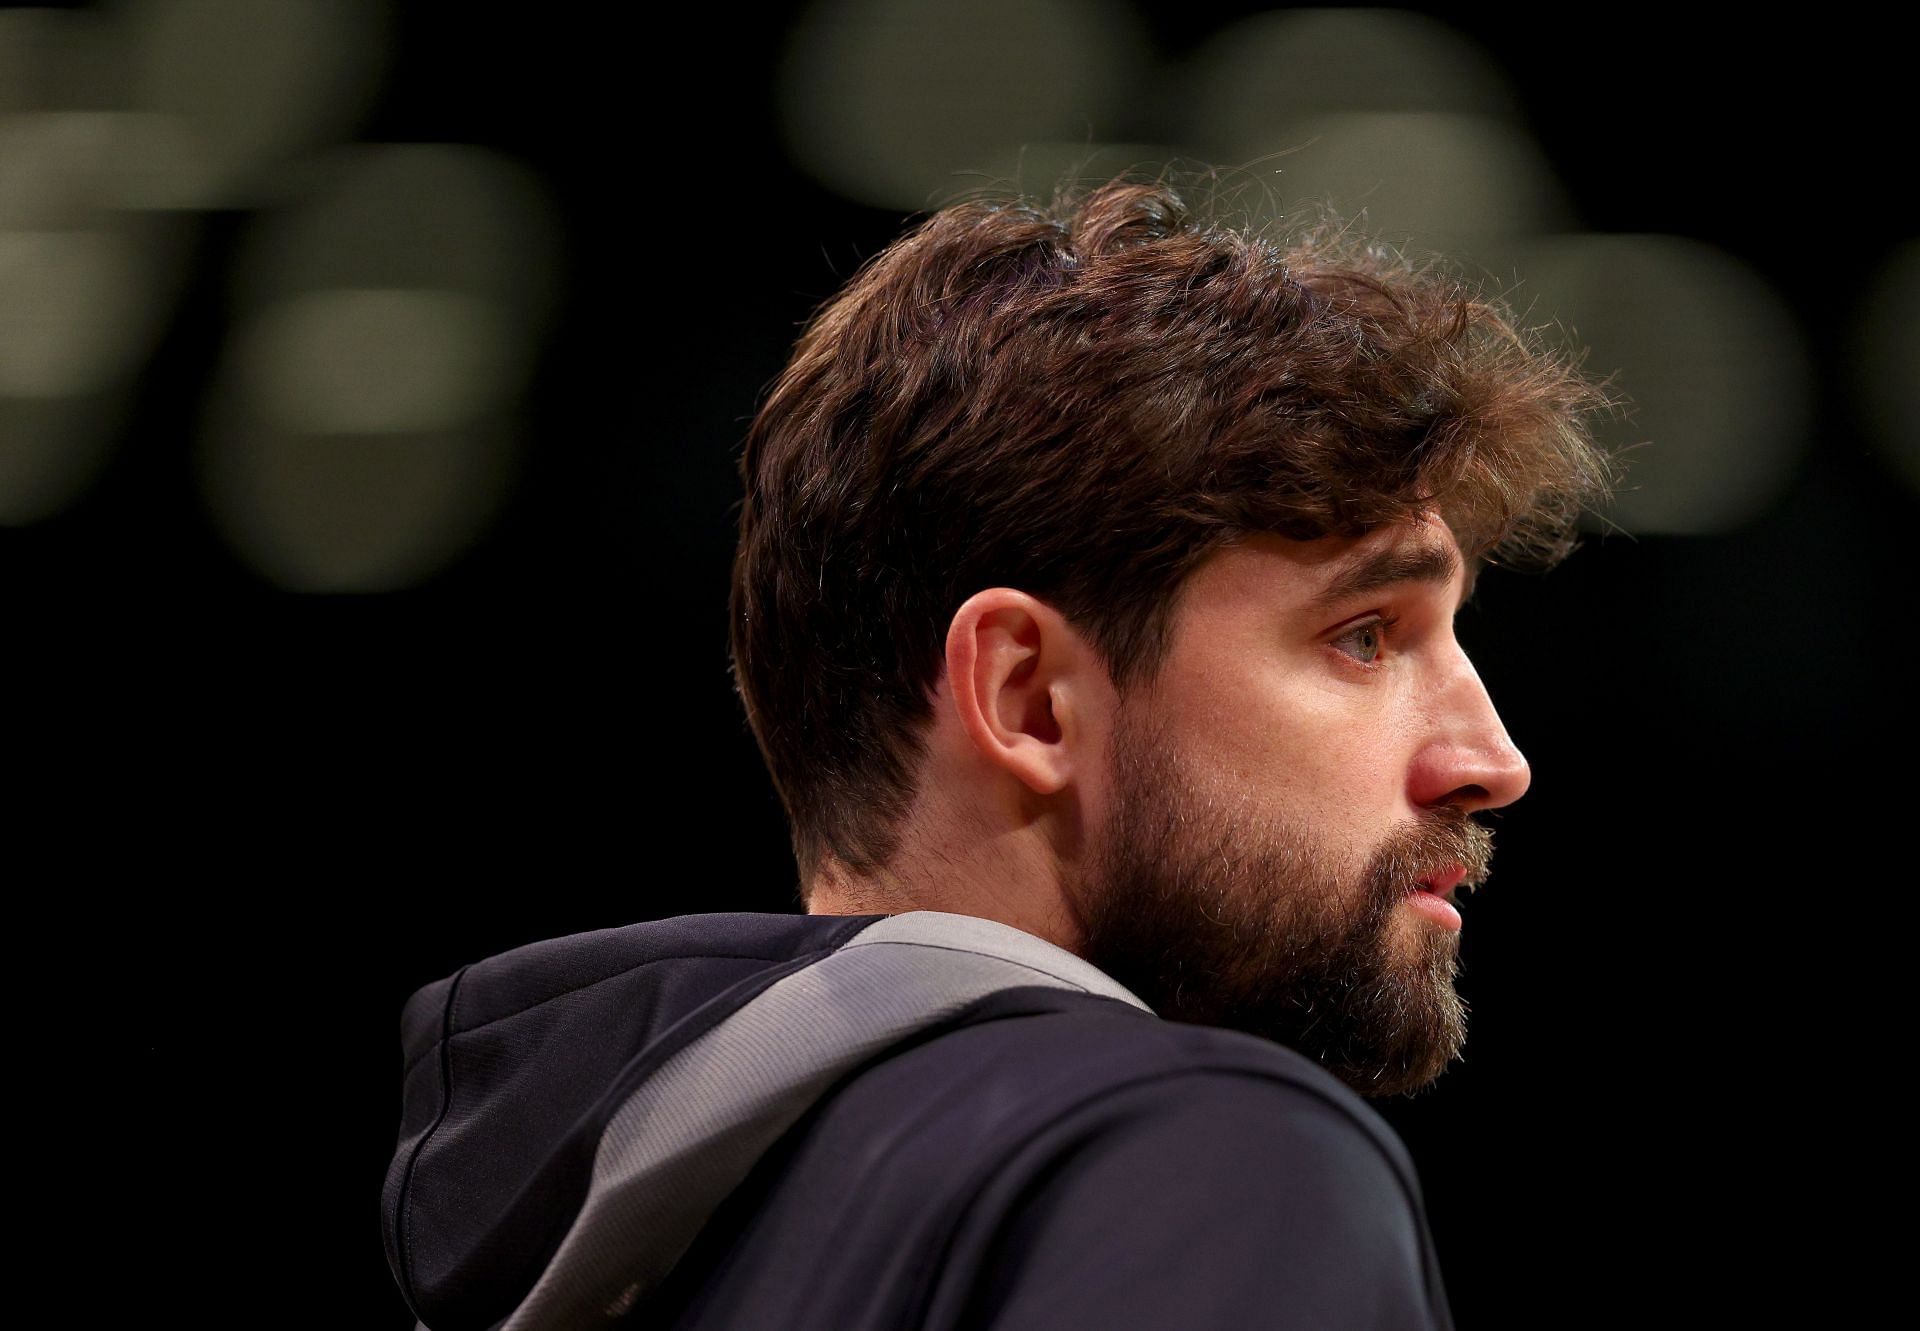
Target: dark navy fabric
1045	1159
1061	1161
514	1065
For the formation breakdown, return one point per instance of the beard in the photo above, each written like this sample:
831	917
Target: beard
1217	916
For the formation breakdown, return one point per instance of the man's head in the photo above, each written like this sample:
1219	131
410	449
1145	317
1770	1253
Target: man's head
1286	822
1097	571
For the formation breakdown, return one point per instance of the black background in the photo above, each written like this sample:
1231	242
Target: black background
249	823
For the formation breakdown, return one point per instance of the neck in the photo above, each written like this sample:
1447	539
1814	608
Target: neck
1044	914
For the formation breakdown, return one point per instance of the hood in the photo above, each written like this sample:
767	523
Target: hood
573	1111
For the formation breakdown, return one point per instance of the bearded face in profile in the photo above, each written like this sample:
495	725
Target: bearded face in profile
1215	914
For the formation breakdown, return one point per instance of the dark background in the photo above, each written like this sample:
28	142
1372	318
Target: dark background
248	822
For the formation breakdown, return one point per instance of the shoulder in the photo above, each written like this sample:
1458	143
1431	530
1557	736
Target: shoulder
1128	1163
1050	1159
1024	1060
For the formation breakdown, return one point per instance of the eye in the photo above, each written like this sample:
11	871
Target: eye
1369	637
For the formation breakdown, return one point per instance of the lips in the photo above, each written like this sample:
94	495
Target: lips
1442	881
1431	896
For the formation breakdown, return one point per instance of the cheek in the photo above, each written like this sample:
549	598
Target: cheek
1305	751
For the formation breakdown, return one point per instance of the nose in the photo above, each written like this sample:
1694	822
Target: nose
1468	760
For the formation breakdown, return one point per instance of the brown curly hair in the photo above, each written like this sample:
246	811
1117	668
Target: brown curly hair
1085	400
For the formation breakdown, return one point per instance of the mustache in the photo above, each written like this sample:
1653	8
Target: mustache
1443	837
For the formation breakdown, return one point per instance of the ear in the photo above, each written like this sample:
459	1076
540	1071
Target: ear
1017	674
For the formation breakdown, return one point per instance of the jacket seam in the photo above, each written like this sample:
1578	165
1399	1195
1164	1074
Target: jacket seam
1054	979
445	1046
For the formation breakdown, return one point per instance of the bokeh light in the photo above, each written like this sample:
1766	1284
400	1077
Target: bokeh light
896	102
1036	170
1277	67
1886	361
251	84
1382	112
1708	356
380	361
360	432
116	127
85	290
1435	182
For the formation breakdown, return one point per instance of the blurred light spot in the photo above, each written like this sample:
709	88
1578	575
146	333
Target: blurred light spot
362	428
1709	358
1271	70
38	49
50	451
367	362
1437	182
354	513
1035	170
59	167
80	311
412	216
38	186
885	100
1887	361
245	84
69	306
136	160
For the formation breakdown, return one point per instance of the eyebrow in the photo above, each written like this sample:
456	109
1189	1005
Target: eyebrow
1392	567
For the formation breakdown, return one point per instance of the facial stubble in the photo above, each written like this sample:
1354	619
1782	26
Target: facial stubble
1217	915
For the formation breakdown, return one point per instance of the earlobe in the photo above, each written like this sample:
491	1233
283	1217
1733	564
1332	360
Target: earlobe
1009	658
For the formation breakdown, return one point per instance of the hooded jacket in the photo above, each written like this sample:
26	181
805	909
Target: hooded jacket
849	1123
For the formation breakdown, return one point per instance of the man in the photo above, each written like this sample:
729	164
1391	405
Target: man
1093	610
